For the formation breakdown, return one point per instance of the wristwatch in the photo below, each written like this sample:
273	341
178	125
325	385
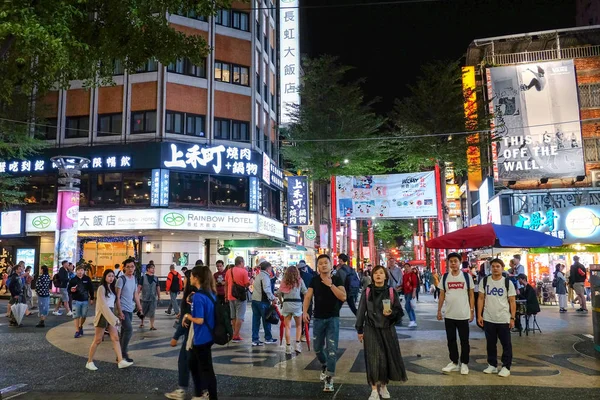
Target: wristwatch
512	318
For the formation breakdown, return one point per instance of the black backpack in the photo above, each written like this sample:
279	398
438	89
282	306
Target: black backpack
507	283
352	281
222	332
466	275
175	280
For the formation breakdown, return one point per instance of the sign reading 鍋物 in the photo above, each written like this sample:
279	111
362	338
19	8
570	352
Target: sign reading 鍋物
289	57
536	120
297	200
226	160
392	196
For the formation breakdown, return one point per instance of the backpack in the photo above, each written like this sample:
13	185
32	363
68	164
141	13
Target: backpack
175	283
507	283
352	281
222	331
391	294
466	275
56	280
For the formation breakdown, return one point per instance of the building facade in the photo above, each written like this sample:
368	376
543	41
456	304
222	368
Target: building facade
587	12
182	156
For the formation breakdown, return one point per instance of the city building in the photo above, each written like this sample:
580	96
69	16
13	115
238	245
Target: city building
183	157
542	171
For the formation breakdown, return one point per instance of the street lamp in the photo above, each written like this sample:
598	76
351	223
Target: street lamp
346	161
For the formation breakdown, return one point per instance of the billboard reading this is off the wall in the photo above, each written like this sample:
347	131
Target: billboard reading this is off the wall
536	120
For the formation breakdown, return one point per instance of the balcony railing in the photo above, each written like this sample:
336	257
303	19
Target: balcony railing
542	55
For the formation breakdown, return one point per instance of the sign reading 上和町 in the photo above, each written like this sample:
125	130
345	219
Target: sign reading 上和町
297	200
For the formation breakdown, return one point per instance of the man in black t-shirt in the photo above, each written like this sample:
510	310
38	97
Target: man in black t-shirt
329	294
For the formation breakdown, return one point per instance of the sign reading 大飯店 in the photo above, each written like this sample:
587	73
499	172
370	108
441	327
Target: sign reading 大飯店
163	219
225	160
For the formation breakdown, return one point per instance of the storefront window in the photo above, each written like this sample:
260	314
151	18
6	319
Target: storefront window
105	189
189	189
136	188
104	255
229	192
40	191
270	202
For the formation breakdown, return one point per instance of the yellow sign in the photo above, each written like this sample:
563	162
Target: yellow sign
470	106
452	192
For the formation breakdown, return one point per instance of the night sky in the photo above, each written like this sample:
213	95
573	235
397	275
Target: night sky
388	43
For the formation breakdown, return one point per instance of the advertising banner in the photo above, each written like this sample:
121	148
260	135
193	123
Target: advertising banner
65	238
536	120
324	236
297	200
572	224
387	196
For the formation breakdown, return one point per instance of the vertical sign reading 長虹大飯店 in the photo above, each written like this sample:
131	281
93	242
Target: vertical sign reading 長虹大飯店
297	200
289	57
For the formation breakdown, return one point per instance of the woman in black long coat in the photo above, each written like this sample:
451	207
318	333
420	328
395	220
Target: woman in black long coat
378	312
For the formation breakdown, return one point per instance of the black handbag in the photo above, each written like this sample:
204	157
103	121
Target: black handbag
238	291
271	316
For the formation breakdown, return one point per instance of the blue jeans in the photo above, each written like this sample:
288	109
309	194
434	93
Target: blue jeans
259	312
409	309
183	366
126	333
44	305
326	330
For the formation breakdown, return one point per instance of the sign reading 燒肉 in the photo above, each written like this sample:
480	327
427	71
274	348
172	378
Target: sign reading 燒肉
298	207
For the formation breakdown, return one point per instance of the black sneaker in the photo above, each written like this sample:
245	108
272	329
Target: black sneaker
579	310
323	375
41	324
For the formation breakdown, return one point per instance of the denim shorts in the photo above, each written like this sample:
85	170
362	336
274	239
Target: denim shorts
44	305
64	295
80	309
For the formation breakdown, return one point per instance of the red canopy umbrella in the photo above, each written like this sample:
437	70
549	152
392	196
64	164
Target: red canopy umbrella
281	324
307	334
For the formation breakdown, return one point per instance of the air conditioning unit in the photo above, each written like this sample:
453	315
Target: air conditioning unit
595	177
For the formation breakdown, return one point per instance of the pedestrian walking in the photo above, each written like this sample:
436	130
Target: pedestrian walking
127	298
149	289
27	292
560	283
236	288
82	293
173	287
219	277
15	286
378	312
42	287
62	279
350	279
202	318
457	293
329	294
262	298
183	366
577	281
435	278
291	290
410	286
496	314
307	274
106	320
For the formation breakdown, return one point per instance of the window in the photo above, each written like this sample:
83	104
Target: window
234	19
257	84
258	136
143	121
195	125
118	68
149	66
258	30
110	124
229	192
77	127
222	128
105	189
186	67
40	191
266	93
270	202
174	122
240	131
189	189
589	95
136	188
266	41
46	128
193	14
223	18
224	72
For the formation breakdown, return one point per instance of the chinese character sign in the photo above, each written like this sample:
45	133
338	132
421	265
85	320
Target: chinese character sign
65	238
155	188
41	164
289	57
254	189
226	160
297	200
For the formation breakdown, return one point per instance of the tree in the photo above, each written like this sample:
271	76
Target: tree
394	232
325	126
422	121
49	43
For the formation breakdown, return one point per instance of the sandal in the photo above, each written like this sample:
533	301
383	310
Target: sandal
153	329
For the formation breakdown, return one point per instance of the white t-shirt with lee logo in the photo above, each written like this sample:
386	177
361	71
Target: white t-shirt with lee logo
457	296
497	308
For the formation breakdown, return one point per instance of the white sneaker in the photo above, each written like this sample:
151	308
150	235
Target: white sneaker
412	324
384	393
203	397
56	313
177	394
464	369
288	349
451	367
328	387
91	366
490	370
298	347
374	395
124	364
504	372
323	374
70	314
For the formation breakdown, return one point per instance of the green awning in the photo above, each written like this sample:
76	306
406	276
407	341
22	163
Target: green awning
262	243
589	248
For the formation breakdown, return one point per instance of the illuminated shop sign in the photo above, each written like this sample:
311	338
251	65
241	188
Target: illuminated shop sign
289	58
41	164
276	177
159	188
297	200
11	223
253	203
228	160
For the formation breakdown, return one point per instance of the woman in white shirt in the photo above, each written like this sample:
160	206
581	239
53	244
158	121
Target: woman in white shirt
106	320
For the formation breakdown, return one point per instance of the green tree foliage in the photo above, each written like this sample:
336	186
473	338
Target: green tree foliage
434	107
394	232
332	113
50	42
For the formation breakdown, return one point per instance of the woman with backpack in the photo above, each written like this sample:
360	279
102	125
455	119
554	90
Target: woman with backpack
200	341
378	312
106	320
290	292
560	283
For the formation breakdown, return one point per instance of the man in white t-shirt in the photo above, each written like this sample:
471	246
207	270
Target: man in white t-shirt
456	290
496	310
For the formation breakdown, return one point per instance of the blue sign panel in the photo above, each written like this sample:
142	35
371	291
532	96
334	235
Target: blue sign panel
164	187
254	194
155	188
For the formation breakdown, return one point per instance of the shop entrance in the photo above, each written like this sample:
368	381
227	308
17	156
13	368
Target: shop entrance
101	253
